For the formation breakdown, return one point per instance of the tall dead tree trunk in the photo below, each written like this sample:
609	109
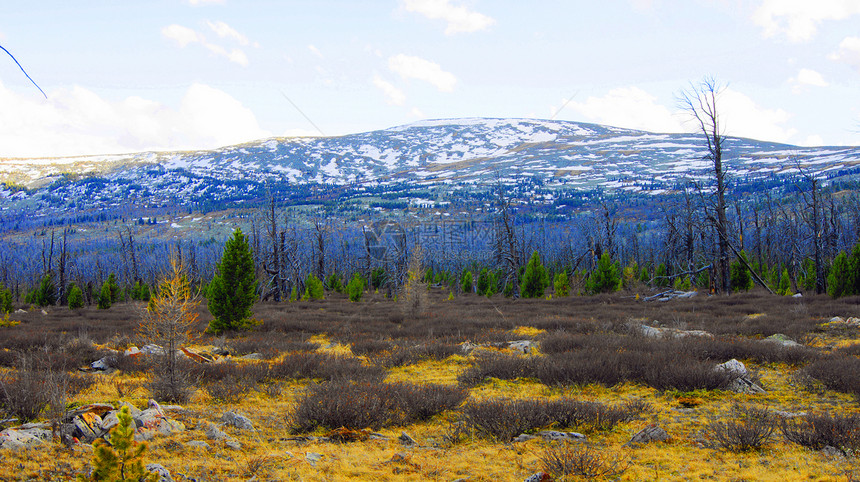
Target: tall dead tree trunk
700	101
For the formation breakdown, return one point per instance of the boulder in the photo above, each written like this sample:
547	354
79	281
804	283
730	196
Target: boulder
524	437
406	440
152	350
236	420
539	477
163	473
523	346
556	436
781	339
25	436
215	433
198	444
655	332
132	351
745	385
733	368
651	433
253	356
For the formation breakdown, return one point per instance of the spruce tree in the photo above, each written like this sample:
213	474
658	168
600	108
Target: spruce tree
5	299
784	288
741	280
561	283
233	289
535	278
838	281
105	297
314	289
76	297
606	278
854	270
466	281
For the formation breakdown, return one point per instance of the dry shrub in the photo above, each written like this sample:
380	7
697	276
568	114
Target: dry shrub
503	419
27	391
584	460
324	366
229	389
607	365
816	431
371	346
749	428
373	405
837	372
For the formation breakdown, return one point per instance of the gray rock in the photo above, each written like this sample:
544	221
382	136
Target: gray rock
236	420
539	477
406	440
215	433
198	444
524	346
781	339
797	295
836	319
101	364
733	367
524	437
745	385
313	457
163	473
152	350
233	444
24	437
253	356
654	332
651	433
556	436
467	347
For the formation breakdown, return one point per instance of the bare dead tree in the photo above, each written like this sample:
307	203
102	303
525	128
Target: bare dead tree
813	215
61	267
700	101
507	249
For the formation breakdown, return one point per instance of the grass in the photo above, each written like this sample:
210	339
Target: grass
592	374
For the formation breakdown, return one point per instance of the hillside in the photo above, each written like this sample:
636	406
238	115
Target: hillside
430	154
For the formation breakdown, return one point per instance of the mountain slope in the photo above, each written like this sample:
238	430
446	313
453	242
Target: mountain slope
430	153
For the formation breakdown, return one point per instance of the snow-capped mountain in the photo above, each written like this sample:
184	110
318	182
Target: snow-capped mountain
563	154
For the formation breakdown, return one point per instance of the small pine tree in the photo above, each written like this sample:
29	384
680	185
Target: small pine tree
122	458
115	290
740	277
854	270
535	278
76	297
483	281
334	283
294	294
561	283
606	278
46	294
784	288
838	281
355	288
661	275
233	290
466	281
313	288
105	297
5	299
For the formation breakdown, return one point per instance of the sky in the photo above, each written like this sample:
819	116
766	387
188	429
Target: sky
129	76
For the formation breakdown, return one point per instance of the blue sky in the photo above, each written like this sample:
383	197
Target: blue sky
125	76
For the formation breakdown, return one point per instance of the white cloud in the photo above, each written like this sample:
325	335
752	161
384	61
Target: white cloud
225	31
184	36
313	48
806	77
634	108
460	19
629	107
393	95
849	52
798	20
409	66
75	121
742	117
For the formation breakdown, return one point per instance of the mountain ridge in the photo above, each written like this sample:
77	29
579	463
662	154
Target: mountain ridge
431	153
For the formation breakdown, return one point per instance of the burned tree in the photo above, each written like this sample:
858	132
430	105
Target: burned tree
700	101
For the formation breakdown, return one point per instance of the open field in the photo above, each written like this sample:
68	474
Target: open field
366	365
